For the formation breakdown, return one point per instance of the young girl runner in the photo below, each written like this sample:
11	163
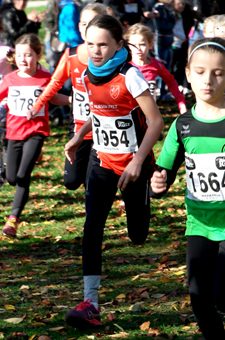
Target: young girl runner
73	62
198	137
140	39
25	136
121	153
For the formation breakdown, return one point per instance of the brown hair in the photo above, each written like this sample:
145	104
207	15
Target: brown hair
96	7
30	39
206	47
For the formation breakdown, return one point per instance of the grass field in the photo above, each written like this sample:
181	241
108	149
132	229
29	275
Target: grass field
144	289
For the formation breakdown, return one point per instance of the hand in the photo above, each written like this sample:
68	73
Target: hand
130	174
41	16
183	109
31	114
151	15
32	16
158	181
71	147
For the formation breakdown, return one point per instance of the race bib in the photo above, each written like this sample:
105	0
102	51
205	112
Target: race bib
81	109
205	175
131	8
152	88
114	134
21	99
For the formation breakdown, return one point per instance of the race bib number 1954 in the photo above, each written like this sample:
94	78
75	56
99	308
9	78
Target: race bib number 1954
21	99
205	176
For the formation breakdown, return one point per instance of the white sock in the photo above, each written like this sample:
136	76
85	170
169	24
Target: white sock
91	284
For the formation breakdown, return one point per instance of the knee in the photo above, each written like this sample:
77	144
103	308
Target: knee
71	185
11	180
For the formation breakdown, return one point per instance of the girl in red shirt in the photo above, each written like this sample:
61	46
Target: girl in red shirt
25	137
140	39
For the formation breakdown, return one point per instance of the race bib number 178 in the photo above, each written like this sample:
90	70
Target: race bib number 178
21	99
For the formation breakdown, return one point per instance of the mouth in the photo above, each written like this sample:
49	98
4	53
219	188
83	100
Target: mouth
207	91
96	59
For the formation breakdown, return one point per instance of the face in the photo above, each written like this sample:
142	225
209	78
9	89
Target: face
85	18
170	2
208	31
206	74
179	5
26	59
219	32
19	4
101	46
142	47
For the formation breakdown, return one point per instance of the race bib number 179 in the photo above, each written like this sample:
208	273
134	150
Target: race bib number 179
205	175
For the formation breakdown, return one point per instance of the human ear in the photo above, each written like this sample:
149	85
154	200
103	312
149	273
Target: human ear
38	57
187	71
120	45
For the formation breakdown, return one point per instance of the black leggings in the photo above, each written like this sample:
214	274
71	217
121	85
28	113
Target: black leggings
206	279
100	193
77	173
21	158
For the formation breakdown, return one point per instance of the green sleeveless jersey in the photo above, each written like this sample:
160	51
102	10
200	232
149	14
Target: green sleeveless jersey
201	144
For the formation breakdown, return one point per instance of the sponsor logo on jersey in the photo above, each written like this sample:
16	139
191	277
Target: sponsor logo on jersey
114	91
76	70
123	124
14	93
190	164
78	80
37	92
220	163
185	129
96	122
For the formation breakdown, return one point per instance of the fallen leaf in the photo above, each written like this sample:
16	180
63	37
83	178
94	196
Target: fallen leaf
157	296
9	307
121	296
121	335
32	337
44	337
111	317
145	326
153	332
14	320
56	328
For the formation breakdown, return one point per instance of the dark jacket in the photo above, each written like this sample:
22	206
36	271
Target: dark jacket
164	25
15	24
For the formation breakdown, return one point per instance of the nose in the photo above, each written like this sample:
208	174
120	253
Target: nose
96	49
208	78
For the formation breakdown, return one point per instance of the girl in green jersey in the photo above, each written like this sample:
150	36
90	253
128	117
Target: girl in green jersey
198	137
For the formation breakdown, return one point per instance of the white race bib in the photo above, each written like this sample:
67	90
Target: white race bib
22	98
81	109
205	175
131	8
114	134
152	88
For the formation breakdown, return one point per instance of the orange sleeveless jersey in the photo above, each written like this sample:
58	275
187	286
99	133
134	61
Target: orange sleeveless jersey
118	124
69	65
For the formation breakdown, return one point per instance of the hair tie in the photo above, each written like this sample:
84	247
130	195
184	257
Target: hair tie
206	44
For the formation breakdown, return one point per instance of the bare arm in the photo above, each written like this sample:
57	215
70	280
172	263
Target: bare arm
150	109
61	99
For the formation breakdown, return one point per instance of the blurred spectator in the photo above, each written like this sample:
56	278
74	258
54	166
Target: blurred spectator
208	30
178	64
164	23
15	22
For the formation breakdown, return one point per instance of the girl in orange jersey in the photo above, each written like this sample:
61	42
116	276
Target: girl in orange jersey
120	101
73	62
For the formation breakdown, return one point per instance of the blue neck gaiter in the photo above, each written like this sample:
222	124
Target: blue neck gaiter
110	66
